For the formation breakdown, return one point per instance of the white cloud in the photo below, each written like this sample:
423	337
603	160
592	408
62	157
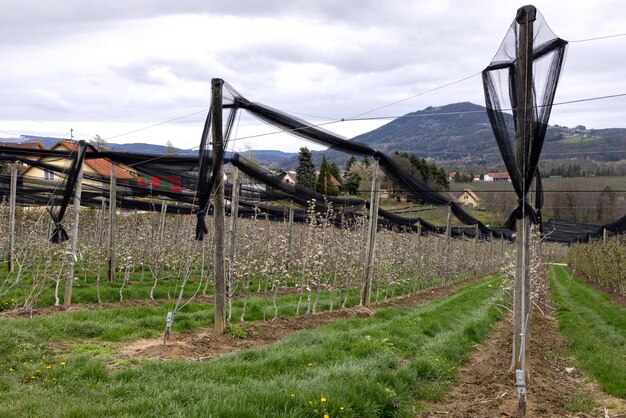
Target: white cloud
117	66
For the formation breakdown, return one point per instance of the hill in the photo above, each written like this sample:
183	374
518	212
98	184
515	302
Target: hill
461	131
451	132
453	135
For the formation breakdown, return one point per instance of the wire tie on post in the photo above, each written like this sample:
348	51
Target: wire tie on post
169	320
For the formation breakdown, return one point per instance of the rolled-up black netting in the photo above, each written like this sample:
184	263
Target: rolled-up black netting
503	87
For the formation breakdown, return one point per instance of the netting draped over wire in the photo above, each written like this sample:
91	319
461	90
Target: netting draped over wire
310	132
500	82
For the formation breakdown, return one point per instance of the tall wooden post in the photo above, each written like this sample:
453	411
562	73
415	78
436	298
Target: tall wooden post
218	207
604	235
370	246
12	204
71	255
524	93
112	223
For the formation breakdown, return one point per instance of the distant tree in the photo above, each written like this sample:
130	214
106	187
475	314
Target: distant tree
351	161
334	171
170	149
324	184
351	177
276	168
606	205
99	143
305	173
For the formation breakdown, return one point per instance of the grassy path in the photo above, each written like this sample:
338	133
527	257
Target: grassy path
595	327
378	366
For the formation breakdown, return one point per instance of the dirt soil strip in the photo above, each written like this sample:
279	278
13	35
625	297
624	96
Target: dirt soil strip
205	344
487	386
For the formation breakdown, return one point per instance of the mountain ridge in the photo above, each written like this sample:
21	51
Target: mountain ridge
456	132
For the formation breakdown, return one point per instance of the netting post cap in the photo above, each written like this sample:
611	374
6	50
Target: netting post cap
529	10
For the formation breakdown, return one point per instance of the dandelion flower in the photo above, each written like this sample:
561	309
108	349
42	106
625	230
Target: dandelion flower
62	363
49	366
310	364
293	395
10	369
341	408
323	400
326	416
33	377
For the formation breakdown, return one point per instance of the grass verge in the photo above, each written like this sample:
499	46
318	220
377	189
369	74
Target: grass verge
594	327
369	367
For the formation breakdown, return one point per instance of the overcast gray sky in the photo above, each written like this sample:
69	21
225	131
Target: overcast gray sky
116	66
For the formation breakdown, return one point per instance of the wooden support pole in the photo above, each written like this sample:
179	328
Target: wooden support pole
604	235
112	223
523	129
477	234
71	255
219	323
12	204
370	247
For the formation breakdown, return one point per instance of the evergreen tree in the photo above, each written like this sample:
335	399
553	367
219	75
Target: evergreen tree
324	184
334	171
351	161
351	177
305	173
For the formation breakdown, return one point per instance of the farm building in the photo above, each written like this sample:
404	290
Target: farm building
469	198
95	167
498	177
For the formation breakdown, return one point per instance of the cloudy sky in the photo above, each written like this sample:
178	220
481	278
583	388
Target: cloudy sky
118	67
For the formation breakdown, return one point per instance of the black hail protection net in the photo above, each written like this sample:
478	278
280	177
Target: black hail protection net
503	87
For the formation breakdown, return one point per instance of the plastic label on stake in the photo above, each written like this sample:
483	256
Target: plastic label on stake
520	383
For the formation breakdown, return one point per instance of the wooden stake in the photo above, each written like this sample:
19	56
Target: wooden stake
370	246
219	323
12	204
521	307
71	256
112	223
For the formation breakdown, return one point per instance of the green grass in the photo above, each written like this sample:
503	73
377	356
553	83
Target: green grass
595	329
381	366
576	140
